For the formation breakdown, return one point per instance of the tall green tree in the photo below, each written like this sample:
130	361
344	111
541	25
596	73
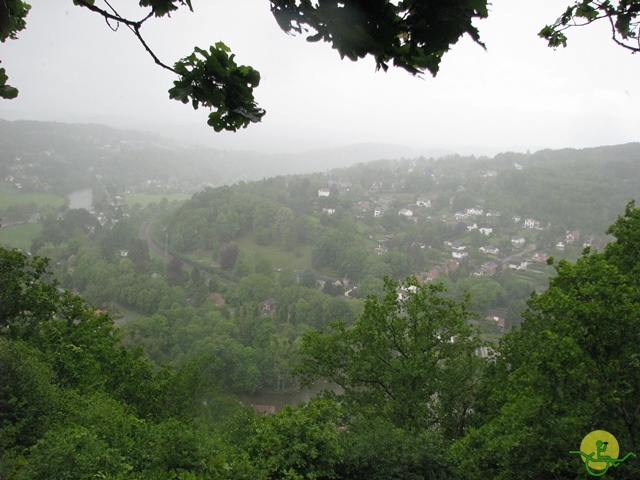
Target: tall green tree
229	255
573	367
410	357
27	292
298	443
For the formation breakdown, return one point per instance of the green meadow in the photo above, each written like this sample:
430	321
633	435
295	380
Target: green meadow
9	195
19	236
299	259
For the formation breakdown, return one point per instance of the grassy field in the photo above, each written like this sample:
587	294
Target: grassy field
19	236
299	259
145	199
203	256
128	316
9	195
491	337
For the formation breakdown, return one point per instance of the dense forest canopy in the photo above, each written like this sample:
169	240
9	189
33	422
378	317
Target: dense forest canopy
417	402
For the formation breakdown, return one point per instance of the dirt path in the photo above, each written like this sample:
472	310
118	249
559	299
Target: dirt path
145	234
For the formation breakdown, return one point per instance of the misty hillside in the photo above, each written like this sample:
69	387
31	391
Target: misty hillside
70	156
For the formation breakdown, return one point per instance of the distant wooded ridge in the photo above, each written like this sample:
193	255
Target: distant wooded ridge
73	155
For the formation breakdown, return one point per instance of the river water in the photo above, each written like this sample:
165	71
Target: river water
293	398
81	199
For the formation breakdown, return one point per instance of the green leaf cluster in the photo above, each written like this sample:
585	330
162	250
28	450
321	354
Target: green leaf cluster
26	294
212	79
12	18
161	8
623	15
410	34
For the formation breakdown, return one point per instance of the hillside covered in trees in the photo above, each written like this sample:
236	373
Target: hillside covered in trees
264	287
417	401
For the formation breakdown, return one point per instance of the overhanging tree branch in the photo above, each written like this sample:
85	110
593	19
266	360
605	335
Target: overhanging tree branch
411	34
207	78
133	25
623	16
109	16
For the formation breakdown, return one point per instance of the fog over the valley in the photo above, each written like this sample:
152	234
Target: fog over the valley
518	95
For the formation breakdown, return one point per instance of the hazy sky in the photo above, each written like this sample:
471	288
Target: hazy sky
517	95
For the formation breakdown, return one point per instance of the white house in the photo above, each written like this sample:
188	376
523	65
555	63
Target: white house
459	255
486	231
324	192
531	223
405	212
572	237
517	263
489	249
474	211
423	202
378	212
517	241
472	227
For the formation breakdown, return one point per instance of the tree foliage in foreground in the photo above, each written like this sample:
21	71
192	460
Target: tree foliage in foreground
410	358
572	368
409	34
417	402
12	21
76	404
623	17
412	34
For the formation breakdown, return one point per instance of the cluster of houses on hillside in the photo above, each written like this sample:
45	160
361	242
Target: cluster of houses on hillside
23	178
474	218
